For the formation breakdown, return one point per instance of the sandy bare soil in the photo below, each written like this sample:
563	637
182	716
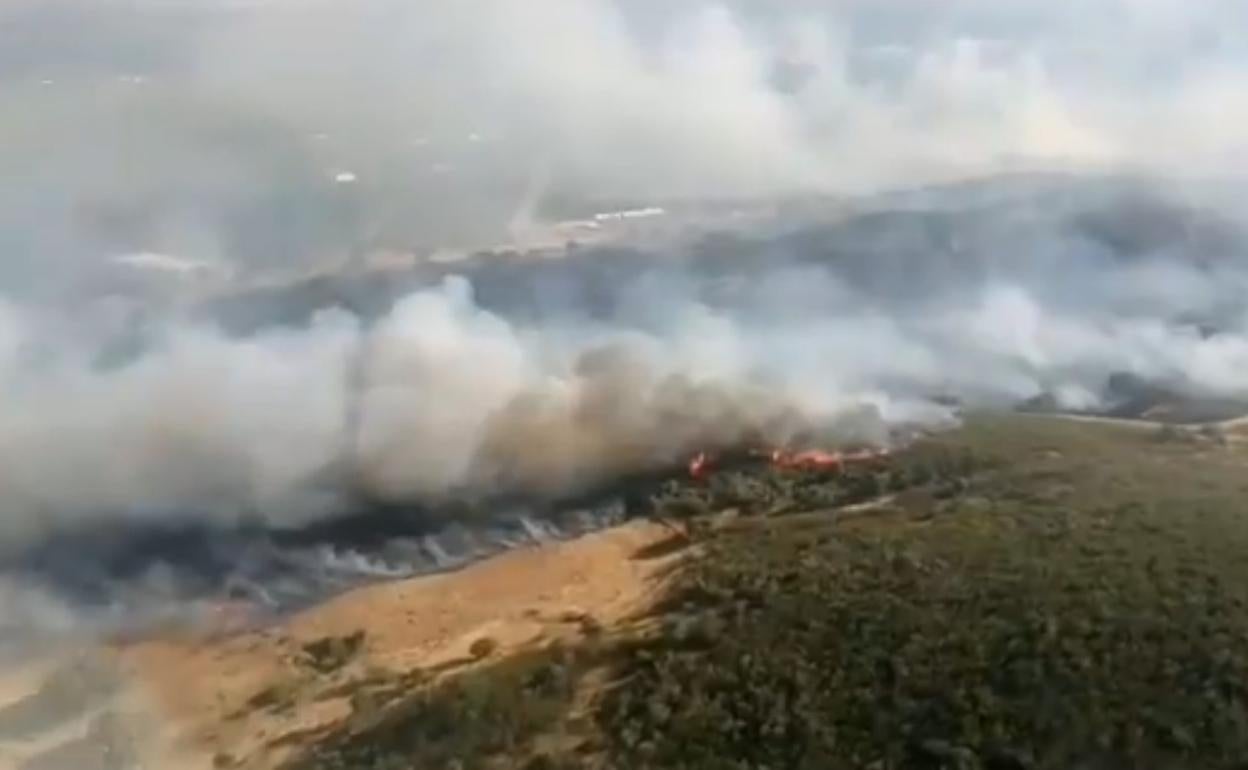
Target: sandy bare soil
248	699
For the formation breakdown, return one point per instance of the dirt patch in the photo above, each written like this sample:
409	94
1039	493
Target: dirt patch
248	700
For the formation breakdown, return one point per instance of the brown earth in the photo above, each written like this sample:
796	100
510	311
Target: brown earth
248	699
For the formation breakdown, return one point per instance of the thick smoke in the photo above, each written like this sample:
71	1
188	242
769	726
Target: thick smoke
451	399
994	298
266	140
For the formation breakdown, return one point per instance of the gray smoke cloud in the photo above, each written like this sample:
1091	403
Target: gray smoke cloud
145	431
275	136
215	129
982	292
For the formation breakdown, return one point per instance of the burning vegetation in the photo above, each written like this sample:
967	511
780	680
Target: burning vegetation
1033	594
703	464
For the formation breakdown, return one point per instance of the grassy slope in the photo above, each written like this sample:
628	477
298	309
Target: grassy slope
1039	593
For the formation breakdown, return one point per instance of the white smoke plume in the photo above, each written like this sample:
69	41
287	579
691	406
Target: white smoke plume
278	135
442	396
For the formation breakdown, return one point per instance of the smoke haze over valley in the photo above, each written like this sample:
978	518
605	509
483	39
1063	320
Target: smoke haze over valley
850	283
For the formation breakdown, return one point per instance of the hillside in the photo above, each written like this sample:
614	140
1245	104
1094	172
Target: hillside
1022	592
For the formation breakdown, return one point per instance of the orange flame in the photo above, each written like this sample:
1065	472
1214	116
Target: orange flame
819	460
810	459
700	466
703	464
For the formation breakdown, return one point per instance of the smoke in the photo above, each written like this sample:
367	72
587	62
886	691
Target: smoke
199	422
271	139
454	400
992	295
215	129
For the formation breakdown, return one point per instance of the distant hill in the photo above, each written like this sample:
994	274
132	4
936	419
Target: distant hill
909	246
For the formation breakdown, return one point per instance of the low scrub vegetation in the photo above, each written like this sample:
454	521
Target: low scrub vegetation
1023	593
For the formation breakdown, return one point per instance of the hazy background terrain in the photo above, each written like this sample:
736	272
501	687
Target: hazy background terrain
214	129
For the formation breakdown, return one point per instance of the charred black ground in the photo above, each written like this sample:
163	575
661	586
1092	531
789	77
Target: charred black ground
150	567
